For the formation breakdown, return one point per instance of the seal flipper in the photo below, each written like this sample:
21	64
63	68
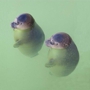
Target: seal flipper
51	63
17	44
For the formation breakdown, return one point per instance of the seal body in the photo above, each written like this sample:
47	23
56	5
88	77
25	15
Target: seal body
62	60
29	37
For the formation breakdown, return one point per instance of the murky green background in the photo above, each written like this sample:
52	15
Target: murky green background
18	72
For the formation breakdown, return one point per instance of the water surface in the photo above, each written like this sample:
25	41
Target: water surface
18	72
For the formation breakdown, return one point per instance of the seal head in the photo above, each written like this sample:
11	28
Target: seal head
59	41
23	21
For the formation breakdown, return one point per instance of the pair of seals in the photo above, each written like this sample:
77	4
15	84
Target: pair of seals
63	54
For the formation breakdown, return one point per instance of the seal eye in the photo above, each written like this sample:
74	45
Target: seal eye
17	23
21	23
56	43
52	43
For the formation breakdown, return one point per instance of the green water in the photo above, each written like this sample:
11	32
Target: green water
18	72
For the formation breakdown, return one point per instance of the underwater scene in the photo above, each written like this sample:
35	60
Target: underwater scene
44	45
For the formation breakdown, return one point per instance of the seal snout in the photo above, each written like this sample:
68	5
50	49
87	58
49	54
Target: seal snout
47	42
13	25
